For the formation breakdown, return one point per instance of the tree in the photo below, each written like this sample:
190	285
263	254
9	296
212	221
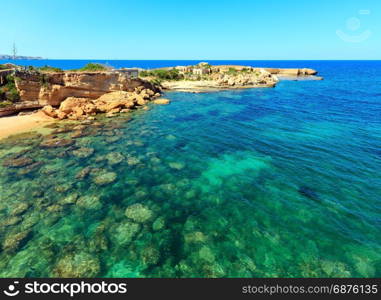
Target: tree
14	50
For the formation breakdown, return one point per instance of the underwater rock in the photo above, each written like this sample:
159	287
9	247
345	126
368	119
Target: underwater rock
138	143
132	161
63	188
159	224
64	129
309	193
89	202
80	126
76	265
155	160
112	139
54	208
150	255
83	152
30	219
206	254
195	237
56	143
9	221
139	213
161	101
77	134
167	187
71	199
30	168
50	169
141	194
97	124
18	162
42	202
124	233
114	158
13	241
100	158
104	178
37	192
23	139
177	165
19	209
170	137
98	242
83	173
335	269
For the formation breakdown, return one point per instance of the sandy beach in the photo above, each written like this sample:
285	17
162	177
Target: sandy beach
16	124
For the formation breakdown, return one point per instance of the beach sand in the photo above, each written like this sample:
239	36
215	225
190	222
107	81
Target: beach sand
16	124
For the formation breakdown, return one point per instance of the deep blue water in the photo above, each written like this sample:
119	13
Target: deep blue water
282	181
150	64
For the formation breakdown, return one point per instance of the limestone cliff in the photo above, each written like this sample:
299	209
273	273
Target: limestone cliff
37	89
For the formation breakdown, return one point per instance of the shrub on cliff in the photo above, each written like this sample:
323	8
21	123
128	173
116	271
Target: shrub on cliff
9	91
5	103
47	68
161	74
232	71
92	67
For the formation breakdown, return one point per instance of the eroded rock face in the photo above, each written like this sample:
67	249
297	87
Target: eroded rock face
37	90
261	77
53	88
110	103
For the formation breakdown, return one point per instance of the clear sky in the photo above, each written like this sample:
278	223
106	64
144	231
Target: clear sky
195	29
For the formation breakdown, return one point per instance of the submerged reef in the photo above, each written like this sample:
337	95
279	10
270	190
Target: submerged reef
144	195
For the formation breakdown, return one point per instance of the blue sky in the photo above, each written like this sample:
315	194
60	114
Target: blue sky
166	29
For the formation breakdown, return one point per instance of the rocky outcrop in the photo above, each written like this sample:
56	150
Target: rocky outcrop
161	101
252	79
258	78
37	89
292	72
74	108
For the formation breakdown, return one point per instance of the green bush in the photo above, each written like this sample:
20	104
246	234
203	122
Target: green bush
5	103
232	71
144	73
9	91
92	67
47	68
161	74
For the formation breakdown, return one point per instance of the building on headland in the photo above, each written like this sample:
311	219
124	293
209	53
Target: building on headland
184	69
201	68
130	72
201	71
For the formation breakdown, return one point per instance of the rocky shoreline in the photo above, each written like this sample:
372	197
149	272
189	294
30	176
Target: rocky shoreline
38	89
81	95
204	77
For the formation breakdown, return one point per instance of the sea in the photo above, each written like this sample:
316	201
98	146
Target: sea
264	182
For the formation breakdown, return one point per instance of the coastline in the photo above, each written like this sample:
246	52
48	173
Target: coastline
81	89
200	86
17	124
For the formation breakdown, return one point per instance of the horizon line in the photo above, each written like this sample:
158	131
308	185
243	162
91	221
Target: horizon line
118	59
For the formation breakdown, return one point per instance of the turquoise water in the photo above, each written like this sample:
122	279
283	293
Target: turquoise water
281	182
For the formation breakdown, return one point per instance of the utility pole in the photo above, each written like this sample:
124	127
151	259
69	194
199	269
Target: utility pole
14	50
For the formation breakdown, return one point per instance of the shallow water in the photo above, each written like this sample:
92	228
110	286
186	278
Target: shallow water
246	183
